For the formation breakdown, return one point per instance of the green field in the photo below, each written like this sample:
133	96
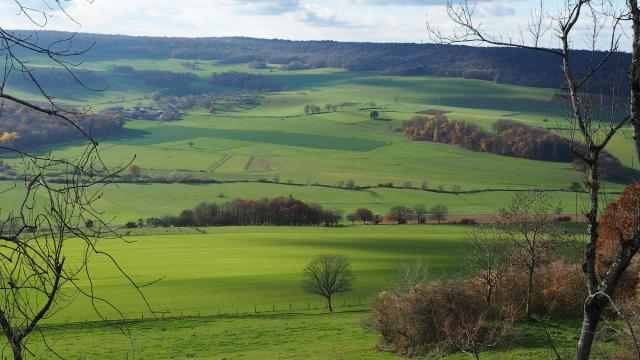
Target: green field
234	293
276	140
251	271
241	268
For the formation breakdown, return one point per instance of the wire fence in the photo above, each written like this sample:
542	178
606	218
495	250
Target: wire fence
240	311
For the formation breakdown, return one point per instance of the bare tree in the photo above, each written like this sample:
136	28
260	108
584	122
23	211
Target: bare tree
529	222
327	275
38	274
487	253
591	126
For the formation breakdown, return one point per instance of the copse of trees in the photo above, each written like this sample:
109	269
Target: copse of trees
511	138
22	127
281	211
245	81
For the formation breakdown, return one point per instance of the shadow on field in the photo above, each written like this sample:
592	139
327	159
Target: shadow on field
169	133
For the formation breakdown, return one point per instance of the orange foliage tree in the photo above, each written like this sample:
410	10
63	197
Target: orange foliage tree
618	224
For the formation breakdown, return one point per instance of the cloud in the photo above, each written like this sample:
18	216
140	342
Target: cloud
495	9
264	7
314	15
397	2
401	2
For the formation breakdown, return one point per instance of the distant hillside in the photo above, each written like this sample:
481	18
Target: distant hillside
503	65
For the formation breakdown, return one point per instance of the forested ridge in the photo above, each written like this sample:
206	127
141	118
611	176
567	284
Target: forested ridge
503	65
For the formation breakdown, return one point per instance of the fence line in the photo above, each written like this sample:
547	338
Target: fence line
238	311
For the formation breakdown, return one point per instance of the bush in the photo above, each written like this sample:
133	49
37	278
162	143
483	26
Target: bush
444	316
559	289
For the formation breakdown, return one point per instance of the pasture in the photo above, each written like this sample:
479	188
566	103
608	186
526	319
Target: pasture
227	292
276	140
235	292
249	269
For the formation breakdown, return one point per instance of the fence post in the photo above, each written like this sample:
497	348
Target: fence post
255	309
290	307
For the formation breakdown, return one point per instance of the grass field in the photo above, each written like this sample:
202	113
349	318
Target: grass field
239	269
276	140
255	272
310	335
243	273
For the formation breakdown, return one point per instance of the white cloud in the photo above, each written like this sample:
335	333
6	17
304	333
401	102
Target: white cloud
495	8
314	15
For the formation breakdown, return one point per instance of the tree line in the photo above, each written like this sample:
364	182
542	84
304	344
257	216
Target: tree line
504	65
22	127
510	138
280	211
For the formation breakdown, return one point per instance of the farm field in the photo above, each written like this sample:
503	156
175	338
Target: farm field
235	292
244	272
249	269
276	141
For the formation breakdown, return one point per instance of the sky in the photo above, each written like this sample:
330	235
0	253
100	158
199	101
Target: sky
341	20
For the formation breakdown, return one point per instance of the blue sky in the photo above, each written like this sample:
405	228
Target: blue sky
343	20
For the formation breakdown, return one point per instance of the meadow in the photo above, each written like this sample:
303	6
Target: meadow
234	292
276	140
249	269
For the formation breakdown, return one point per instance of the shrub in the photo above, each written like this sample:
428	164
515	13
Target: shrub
559	289
445	316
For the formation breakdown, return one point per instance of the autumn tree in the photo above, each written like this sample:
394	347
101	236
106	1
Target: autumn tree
327	275
618	226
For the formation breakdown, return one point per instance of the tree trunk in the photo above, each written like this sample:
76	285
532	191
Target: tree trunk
634	74
329	303
592	313
529	292
16	348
